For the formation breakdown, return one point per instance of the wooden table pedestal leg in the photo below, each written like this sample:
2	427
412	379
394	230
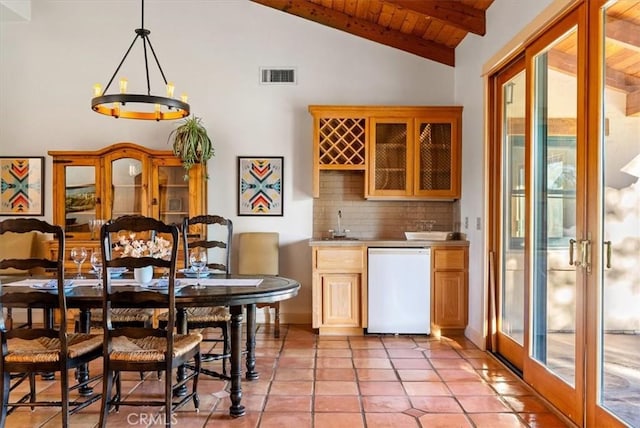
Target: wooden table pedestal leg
236	408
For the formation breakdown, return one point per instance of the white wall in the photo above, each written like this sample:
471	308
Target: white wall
471	56
212	50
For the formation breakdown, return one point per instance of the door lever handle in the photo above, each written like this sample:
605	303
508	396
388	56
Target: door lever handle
608	245
585	250
572	262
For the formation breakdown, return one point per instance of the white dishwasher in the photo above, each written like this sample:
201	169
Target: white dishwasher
399	290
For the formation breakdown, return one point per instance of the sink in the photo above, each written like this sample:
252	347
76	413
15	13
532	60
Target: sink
426	236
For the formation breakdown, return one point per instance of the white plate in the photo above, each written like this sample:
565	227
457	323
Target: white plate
189	273
52	285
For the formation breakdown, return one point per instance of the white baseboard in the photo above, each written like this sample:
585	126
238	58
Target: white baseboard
476	337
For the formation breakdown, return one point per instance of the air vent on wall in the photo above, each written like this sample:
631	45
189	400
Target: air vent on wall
277	75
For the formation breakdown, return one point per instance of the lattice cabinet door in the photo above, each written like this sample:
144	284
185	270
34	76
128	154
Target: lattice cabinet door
437	157
390	166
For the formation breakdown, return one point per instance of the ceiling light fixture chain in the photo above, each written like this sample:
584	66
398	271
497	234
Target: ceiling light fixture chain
114	105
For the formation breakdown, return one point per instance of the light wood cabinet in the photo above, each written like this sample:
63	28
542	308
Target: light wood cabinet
121	179
449	290
406	152
339	290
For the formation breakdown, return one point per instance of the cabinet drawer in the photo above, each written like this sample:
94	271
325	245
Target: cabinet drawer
449	259
342	259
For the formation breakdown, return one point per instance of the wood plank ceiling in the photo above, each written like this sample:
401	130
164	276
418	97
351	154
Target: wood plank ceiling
431	29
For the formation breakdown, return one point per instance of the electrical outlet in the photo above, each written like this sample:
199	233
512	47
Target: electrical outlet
466	223
478	223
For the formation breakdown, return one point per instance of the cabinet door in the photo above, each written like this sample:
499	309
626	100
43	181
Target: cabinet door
175	192
450	299
76	199
390	169
437	158
126	183
340	300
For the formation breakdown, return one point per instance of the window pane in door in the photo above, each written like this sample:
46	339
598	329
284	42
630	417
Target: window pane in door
619	353
513	209
554	210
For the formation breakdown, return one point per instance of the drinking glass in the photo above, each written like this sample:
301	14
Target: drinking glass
79	255
96	263
198	260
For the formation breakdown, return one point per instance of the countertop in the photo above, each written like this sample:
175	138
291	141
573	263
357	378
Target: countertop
321	242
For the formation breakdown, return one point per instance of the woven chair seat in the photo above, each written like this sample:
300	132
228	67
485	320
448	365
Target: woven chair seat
47	349
151	349
123	315
203	314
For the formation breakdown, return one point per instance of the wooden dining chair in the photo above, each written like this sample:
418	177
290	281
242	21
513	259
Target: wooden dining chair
258	254
35	349
140	349
214	235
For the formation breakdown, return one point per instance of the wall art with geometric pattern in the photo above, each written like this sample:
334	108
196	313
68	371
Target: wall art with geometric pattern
22	186
260	185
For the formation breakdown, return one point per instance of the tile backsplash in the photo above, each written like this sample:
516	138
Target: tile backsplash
344	191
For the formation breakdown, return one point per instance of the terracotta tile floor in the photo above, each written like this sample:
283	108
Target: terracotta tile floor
310	381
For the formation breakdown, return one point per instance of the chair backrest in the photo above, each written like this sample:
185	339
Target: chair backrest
35	298
114	235
258	253
215	234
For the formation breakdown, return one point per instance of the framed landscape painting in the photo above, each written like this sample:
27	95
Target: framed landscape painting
260	185
22	191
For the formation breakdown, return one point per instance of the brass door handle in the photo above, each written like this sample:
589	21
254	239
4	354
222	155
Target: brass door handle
585	250
572	262
608	253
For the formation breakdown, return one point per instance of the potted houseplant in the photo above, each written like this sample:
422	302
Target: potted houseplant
191	143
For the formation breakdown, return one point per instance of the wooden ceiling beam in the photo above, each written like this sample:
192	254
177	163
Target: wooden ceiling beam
360	27
625	33
615	79
452	13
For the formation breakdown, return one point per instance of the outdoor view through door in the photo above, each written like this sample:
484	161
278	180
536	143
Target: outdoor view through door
566	204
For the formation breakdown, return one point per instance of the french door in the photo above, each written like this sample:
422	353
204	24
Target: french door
565	205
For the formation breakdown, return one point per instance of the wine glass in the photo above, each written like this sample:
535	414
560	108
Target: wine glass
198	260
79	255
96	263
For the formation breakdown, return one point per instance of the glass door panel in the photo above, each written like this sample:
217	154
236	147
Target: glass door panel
511	320
554	218
173	194
619	326
127	197
435	156
80	199
390	157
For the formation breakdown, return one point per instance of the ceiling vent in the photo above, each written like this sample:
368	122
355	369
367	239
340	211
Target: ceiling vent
278	76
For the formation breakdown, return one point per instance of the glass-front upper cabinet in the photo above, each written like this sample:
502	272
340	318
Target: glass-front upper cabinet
123	179
414	153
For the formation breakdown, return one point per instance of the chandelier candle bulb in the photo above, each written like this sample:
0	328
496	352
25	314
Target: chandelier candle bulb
97	90
184	98
123	85
170	89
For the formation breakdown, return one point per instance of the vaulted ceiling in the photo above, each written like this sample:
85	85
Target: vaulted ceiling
431	29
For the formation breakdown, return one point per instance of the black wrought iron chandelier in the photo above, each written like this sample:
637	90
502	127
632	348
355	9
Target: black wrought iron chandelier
139	106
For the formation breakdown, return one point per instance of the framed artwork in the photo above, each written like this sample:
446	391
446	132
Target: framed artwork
22	191
260	185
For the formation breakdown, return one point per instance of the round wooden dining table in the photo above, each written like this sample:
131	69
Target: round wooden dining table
221	290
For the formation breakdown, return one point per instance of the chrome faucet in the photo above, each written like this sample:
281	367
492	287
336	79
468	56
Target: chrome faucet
339	232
